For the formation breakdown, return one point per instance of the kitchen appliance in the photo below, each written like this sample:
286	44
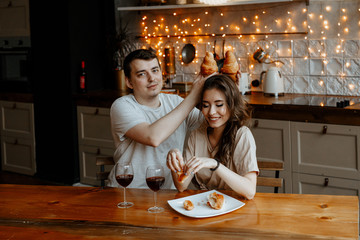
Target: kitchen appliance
244	84
273	83
15	64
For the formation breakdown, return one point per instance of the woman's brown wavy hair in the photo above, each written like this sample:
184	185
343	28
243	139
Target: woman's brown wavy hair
240	114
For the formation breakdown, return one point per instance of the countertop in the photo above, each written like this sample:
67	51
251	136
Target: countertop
290	107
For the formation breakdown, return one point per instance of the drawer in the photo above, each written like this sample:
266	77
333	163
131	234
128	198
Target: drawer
327	185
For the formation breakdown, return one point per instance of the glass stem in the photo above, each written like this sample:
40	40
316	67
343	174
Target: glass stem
155	198
124	195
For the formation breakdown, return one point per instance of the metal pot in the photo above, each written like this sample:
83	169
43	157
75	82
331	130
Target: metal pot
188	53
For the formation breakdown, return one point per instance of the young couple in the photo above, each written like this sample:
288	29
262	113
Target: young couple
220	152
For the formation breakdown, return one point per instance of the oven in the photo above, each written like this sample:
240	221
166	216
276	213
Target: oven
15	64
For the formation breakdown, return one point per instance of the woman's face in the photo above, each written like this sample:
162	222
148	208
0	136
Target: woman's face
215	108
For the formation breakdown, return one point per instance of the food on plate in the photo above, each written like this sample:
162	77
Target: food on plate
216	200
209	65
231	66
188	205
181	176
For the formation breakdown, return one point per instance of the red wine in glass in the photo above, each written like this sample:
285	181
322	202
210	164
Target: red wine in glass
155	183
124	175
125	179
155	178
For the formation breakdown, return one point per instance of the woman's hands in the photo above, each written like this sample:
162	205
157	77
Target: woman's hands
196	163
175	163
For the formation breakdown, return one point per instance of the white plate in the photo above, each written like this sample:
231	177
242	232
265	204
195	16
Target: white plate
201	209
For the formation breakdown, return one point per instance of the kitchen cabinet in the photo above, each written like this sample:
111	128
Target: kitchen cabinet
326	150
95	139
17	137
272	139
14	18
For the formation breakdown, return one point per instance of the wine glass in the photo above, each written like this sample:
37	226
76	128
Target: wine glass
124	174
155	178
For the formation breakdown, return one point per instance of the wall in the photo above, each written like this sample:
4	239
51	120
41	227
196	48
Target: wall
325	60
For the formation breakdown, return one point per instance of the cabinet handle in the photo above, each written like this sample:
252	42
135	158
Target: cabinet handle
324	129
326	182
98	151
96	111
14	106
256	123
16	142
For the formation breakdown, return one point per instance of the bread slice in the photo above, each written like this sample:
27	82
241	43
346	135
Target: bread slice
216	201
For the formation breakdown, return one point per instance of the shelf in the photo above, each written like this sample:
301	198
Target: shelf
163	7
225	35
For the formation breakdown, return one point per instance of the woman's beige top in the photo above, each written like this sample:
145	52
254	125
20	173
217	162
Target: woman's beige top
244	160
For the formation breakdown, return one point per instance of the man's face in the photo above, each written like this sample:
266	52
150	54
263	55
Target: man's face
145	79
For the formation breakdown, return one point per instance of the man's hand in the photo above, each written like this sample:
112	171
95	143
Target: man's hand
174	160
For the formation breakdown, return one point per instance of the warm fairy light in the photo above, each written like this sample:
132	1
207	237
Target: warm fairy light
351	86
244	19
346	30
328	8
347	64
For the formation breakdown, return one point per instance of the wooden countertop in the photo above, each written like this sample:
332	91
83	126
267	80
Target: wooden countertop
63	212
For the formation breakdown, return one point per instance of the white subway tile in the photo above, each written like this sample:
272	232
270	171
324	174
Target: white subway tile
301	84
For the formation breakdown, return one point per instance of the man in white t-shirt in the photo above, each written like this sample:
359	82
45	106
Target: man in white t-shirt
146	124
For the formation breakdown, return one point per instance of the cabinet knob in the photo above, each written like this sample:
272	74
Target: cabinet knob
256	123
324	129
14	106
326	182
16	142
98	151
96	111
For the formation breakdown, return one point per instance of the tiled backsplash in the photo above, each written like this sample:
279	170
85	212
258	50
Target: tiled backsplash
324	61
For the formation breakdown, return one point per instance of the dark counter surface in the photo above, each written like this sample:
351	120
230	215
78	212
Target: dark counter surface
290	107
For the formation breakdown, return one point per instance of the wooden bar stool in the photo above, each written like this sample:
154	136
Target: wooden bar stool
102	161
276	181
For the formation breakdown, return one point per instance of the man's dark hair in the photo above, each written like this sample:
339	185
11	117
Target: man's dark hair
144	54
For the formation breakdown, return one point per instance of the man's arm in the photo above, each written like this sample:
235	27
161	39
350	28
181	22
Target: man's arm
154	134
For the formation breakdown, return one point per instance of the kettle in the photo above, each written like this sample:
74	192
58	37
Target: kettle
273	84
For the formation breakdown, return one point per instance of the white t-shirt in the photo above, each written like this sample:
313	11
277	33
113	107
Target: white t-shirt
126	113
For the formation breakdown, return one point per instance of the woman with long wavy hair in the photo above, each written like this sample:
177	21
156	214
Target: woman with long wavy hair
221	153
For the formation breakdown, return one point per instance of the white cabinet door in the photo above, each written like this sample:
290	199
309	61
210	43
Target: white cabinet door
88	166
316	184
14	18
94	126
17	119
17	137
18	155
272	139
325	149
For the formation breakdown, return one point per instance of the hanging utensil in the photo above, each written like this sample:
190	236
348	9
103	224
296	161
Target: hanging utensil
220	62
216	57
188	53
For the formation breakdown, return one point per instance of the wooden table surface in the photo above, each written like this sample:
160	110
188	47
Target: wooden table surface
64	212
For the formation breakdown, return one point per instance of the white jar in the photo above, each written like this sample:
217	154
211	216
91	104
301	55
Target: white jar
180	2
